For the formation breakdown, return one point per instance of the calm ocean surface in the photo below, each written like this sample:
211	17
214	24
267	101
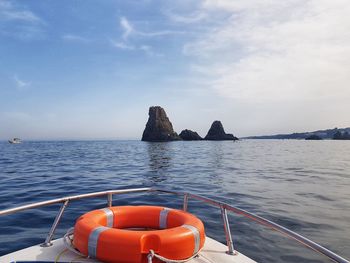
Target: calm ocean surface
303	185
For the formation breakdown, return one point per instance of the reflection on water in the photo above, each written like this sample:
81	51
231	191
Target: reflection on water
159	155
216	154
303	185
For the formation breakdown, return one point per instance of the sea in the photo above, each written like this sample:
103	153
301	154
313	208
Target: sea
302	185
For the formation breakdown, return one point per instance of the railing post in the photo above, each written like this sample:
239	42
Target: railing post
231	249
109	199
185	204
49	237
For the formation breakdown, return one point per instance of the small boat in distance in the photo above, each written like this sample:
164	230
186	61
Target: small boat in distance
15	141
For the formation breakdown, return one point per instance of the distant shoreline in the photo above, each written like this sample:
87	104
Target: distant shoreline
323	134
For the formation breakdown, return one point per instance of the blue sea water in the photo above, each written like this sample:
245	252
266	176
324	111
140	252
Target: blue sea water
303	185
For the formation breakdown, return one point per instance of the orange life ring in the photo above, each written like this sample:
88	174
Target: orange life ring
120	234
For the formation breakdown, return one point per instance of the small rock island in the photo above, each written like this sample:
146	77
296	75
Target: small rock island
159	129
217	133
188	135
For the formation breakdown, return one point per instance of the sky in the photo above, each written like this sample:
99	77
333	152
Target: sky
90	69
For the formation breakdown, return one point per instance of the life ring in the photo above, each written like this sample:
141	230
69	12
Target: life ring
128	233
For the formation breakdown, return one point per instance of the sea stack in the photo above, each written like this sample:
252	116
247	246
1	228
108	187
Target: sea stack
159	127
217	133
188	135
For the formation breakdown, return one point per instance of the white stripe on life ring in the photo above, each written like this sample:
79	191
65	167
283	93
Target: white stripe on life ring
93	239
163	216
197	238
110	216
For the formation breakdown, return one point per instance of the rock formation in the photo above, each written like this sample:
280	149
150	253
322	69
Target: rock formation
188	135
159	127
217	133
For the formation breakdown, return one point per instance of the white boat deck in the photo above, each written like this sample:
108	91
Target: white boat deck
213	252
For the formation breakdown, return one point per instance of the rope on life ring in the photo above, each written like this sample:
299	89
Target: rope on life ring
68	242
151	255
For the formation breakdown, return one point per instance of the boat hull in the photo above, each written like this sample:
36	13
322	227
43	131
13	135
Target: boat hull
212	252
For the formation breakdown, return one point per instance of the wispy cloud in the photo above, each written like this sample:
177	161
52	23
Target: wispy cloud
122	45
10	12
276	50
20	84
20	16
75	38
159	33
20	22
127	28
148	50
190	18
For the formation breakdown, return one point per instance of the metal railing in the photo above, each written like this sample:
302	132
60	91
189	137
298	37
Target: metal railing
186	196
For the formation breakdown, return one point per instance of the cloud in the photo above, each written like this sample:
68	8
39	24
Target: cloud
127	27
75	38
159	33
20	84
10	12
194	17
148	50
19	22
122	45
129	30
276	50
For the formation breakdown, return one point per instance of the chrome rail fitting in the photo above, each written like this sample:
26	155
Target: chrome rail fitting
185	204
223	206
109	199
58	217
229	242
